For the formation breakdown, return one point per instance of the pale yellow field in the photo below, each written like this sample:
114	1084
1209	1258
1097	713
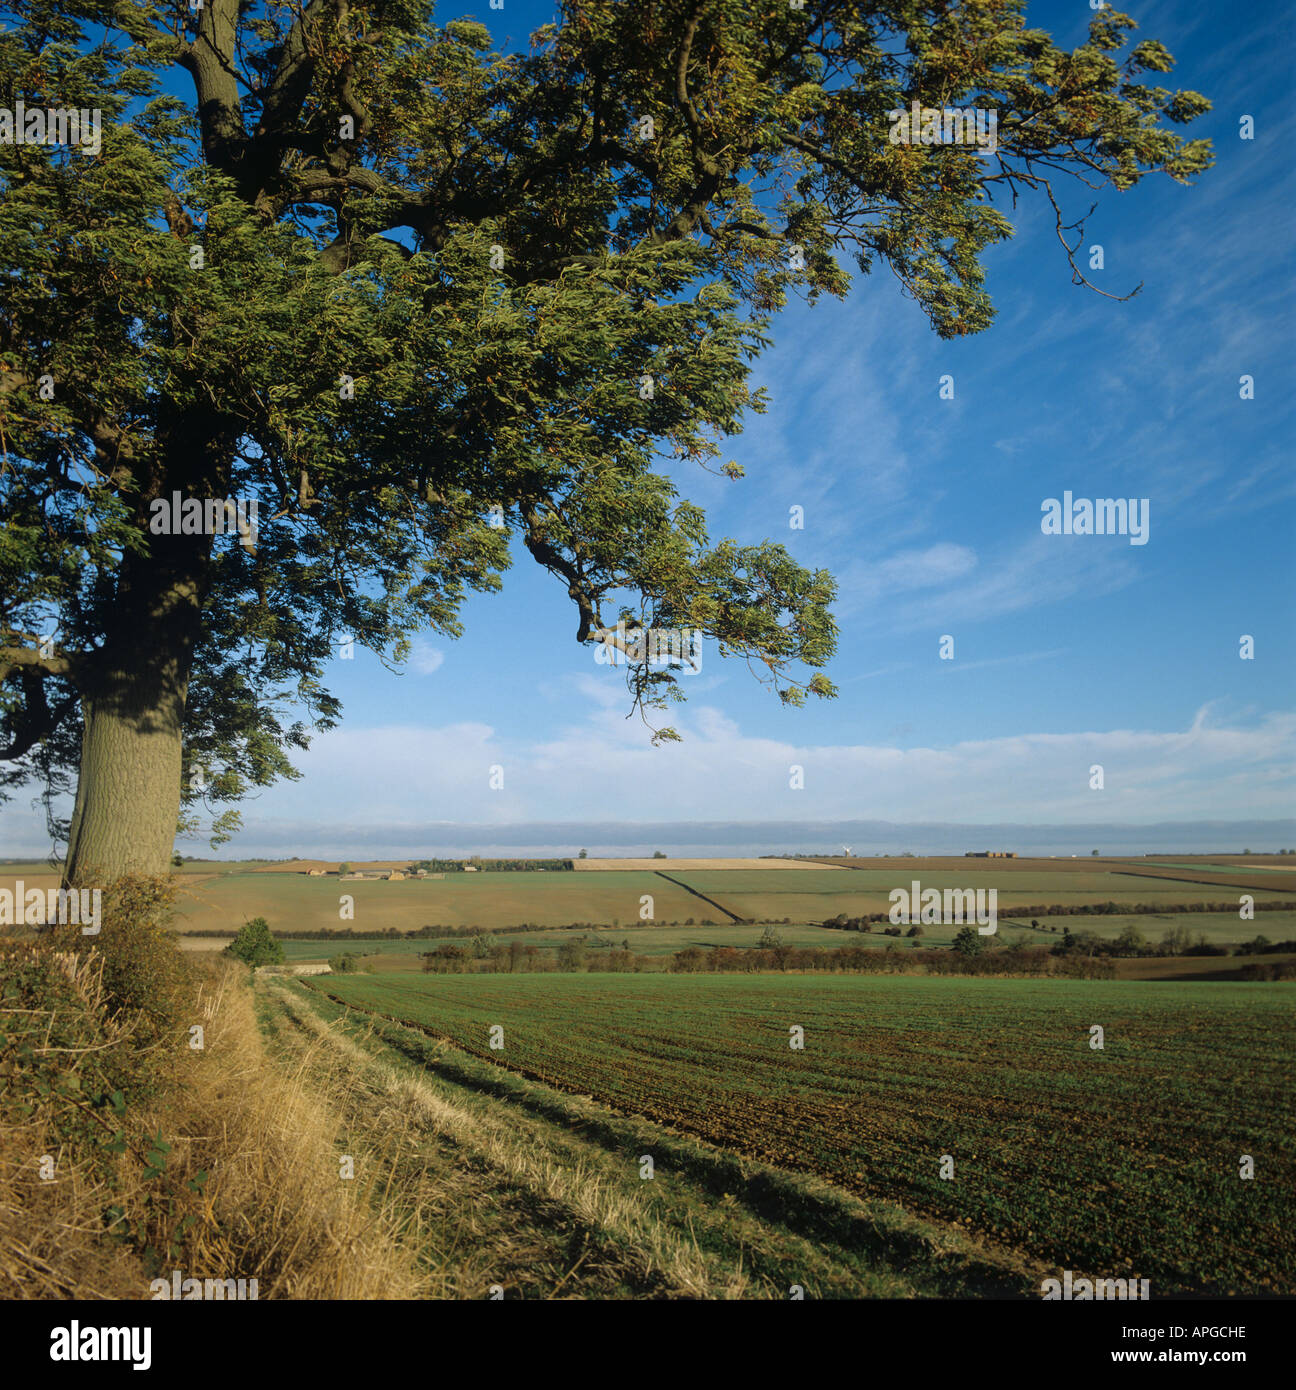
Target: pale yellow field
667	865
301	866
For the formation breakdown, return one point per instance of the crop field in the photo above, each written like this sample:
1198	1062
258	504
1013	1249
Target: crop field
670	865
1284	865
1219	928
1227	861
810	897
1265	878
296	902
660	943
1117	1162
224	896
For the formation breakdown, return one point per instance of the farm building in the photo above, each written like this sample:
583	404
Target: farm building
990	854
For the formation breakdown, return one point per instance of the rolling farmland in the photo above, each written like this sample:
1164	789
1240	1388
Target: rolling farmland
295	902
803	892
776	1165
1060	1151
818	896
657	944
799	895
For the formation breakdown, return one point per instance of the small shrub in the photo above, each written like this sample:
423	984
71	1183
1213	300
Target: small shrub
968	942
256	944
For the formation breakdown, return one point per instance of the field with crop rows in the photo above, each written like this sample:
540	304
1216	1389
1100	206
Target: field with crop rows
1117	1162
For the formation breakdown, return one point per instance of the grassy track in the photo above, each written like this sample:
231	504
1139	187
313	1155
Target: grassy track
1123	1160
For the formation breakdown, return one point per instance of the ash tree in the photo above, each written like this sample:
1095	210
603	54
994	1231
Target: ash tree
428	304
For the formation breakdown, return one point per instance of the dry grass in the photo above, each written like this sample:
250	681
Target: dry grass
277	1209
251	1187
52	1241
509	1148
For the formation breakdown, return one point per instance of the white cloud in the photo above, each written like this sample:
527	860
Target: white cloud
425	658
938	564
1043	569
604	766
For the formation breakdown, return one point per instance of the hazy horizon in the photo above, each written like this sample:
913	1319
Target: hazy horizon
733	839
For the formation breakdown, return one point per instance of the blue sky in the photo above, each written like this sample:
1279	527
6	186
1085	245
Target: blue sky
1069	650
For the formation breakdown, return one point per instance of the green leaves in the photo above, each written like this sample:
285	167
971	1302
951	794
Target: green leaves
256	945
521	281
155	1160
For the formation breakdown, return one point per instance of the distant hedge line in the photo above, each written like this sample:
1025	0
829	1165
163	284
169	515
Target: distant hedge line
1010	960
865	921
431	933
495	866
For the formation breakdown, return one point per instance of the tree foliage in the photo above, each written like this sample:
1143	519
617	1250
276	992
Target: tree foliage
256	945
968	941
405	292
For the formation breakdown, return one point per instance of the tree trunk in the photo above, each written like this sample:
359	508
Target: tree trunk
133	700
128	789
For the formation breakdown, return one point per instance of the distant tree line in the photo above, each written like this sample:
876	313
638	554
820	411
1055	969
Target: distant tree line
867	920
1269	970
969	956
452	866
1008	961
517	957
1176	941
433	932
